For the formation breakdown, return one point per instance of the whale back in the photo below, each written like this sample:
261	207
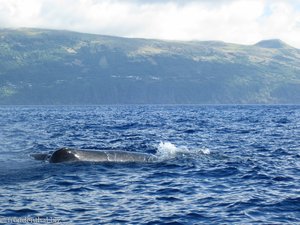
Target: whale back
113	156
73	155
63	155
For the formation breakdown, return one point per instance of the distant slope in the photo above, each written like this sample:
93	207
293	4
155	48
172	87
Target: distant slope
61	67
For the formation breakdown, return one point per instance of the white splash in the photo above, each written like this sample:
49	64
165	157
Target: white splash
167	150
205	151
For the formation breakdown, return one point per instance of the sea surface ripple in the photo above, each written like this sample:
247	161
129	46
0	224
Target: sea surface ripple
219	164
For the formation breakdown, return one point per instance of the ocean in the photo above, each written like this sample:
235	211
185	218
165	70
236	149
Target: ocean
219	164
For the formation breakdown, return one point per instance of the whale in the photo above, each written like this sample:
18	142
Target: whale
64	155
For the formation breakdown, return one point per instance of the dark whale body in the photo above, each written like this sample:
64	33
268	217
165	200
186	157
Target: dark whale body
73	155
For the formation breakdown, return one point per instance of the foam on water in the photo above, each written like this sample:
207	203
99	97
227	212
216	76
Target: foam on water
167	150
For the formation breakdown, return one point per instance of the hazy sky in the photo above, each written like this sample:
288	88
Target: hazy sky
238	21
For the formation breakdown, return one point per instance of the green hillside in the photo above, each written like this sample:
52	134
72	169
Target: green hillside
61	67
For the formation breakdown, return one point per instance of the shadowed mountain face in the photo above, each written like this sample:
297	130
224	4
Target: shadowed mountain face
61	67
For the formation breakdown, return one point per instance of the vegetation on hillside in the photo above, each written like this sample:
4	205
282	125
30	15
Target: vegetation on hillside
61	67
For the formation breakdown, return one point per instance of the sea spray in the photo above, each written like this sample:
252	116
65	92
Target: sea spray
167	150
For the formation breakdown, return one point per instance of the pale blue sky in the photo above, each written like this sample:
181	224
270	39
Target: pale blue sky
237	21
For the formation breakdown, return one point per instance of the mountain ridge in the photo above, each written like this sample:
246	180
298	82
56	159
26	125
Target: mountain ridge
273	43
41	66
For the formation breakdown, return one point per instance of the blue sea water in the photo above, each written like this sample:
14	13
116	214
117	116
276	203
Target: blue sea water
220	165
